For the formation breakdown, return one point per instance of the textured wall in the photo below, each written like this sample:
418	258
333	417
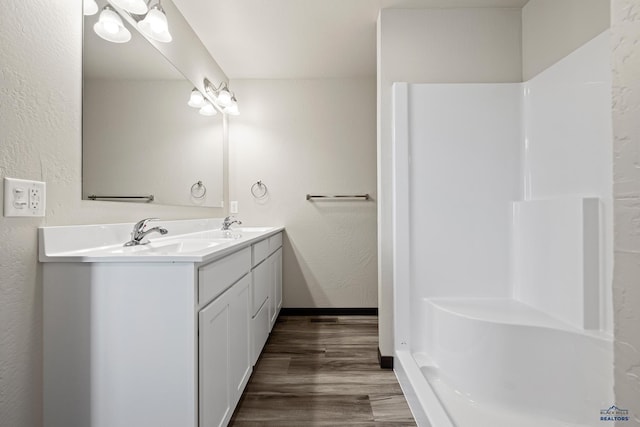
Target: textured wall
433	46
625	19
40	83
311	136
551	29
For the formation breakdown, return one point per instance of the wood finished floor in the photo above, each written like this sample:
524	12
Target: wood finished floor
322	371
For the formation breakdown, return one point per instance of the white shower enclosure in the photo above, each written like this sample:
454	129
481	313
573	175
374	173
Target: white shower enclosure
503	247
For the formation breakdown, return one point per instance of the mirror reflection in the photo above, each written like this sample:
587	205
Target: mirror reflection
140	138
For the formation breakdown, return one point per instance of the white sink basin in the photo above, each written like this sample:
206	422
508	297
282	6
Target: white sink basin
167	247
129	250
181	246
197	240
217	235
253	229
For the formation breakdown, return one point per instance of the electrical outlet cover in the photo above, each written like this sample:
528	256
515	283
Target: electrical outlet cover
24	197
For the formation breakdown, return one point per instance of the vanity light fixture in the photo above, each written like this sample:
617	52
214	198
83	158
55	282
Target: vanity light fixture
139	7
196	99
232	109
208	109
110	26
222	96
89	7
155	25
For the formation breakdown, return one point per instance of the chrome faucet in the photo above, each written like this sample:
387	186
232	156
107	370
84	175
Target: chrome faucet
140	233
228	222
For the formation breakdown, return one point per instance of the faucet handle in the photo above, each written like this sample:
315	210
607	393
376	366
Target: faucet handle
143	223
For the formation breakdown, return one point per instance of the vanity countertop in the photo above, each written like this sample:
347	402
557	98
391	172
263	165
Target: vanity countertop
191	241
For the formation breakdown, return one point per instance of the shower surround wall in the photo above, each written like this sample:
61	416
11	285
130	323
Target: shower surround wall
508	201
477	45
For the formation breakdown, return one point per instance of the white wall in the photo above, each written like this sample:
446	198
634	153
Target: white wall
625	17
433	46
40	138
140	137
311	136
551	29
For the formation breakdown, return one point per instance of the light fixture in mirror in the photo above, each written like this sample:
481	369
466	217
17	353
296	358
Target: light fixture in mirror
139	7
134	147
208	109
232	109
110	26
89	7
196	99
222	96
155	25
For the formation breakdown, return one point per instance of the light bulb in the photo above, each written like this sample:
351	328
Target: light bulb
157	21
232	109
196	99
139	7
89	7
155	25
208	109
224	98
110	26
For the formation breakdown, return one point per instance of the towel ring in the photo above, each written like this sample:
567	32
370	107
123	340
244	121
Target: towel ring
259	190
198	190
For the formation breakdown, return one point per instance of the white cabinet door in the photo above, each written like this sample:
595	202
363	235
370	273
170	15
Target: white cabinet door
277	267
275	287
215	398
261	289
259	332
273	303
225	353
240	343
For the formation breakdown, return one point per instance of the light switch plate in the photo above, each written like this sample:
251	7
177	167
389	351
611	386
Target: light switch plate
233	207
24	197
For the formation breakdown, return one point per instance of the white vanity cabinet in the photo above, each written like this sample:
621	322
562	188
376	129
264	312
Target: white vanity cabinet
266	290
276	261
224	337
156	343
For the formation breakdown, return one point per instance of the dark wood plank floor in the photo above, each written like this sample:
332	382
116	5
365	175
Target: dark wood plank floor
322	371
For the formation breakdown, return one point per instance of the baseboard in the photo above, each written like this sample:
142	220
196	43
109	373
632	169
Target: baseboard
333	311
386	362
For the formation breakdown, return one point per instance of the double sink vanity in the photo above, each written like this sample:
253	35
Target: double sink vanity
159	334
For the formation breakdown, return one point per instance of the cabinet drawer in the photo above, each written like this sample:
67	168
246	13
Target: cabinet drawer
260	251
275	242
214	278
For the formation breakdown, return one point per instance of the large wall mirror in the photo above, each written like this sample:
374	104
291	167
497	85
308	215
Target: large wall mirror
139	136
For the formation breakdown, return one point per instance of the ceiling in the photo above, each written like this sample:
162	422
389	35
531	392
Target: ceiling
299	39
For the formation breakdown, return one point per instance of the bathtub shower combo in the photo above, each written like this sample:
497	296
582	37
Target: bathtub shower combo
502	242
